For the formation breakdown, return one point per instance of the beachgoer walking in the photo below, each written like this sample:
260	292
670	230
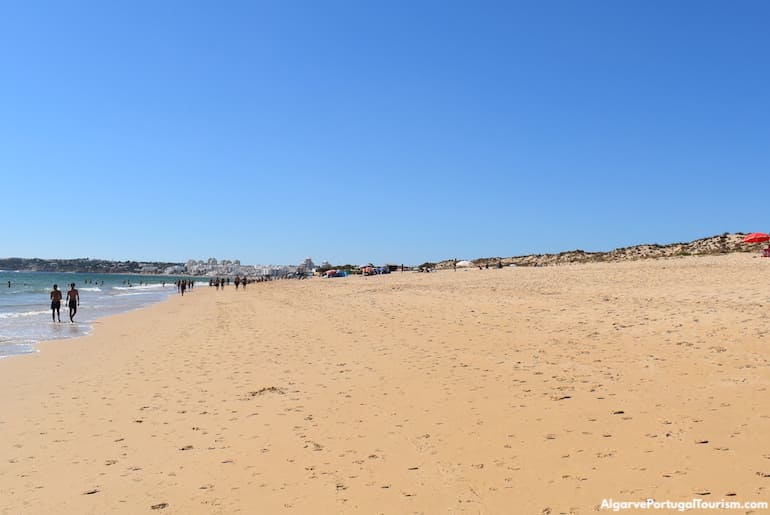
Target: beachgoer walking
237	282
55	303
184	287
73	301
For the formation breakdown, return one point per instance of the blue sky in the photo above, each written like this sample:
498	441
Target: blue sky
399	131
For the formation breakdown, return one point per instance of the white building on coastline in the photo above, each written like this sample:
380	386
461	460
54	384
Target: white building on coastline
226	268
308	264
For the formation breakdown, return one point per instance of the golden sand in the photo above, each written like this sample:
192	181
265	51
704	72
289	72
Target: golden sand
520	390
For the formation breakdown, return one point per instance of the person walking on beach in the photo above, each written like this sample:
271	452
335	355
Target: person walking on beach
73	301
55	303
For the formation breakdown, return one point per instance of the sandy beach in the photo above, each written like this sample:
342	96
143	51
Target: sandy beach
521	390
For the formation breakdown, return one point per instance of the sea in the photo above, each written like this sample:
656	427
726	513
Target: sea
25	304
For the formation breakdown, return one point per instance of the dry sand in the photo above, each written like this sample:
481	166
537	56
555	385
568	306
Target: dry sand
499	391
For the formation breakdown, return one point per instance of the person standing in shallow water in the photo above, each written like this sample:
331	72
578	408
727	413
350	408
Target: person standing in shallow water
55	303
73	301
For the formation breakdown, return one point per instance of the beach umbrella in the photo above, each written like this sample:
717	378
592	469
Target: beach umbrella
756	237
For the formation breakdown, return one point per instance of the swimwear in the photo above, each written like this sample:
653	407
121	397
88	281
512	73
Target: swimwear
55	304
73	304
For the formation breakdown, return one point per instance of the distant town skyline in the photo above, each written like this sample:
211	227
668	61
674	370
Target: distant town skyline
208	267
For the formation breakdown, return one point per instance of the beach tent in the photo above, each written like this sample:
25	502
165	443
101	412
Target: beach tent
464	264
756	237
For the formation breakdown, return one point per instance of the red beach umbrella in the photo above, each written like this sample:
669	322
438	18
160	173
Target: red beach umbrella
756	237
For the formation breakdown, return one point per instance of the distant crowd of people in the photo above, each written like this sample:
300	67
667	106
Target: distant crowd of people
221	282
183	285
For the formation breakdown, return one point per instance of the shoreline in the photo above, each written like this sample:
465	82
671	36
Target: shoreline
27	319
477	391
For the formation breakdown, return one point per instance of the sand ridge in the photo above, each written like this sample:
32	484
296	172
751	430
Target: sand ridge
521	390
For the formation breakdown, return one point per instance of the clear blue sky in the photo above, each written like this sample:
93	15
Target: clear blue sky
396	131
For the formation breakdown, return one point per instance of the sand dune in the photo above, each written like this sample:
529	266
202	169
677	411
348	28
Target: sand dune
526	390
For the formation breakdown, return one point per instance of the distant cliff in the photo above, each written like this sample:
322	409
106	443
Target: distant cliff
722	244
82	265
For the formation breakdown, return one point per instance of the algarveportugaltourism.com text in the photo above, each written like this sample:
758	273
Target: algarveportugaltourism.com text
699	504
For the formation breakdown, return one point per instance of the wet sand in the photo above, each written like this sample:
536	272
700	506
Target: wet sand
522	390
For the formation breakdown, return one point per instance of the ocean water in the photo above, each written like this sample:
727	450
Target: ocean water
25	305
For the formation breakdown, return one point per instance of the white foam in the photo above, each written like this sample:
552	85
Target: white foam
90	289
142	287
24	314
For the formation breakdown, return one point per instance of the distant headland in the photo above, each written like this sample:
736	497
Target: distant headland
84	265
